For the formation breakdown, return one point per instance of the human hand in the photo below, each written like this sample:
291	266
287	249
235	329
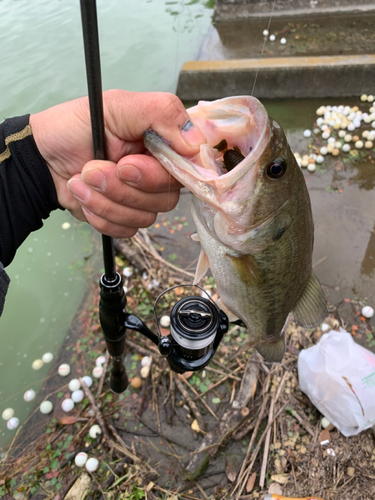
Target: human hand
126	192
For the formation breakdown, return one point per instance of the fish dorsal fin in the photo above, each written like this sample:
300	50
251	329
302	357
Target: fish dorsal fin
195	237
247	269
311	308
232	317
202	267
272	351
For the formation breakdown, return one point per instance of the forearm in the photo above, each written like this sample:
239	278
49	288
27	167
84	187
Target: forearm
27	191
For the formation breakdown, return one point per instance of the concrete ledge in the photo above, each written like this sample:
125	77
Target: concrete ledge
282	77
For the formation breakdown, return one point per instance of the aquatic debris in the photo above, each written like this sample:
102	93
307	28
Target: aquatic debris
165	321
67	405
8	413
325	422
97	371
77	396
145	370
95	431
87	380
29	395
80	459
46	407
92	464
136	382
37	364
146	360
65	225
47	357
283	41
13	423
74	384
63	370
367	312
100	360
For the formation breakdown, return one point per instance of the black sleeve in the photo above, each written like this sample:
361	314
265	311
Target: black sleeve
27	191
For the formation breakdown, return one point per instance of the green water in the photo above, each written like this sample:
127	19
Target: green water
144	43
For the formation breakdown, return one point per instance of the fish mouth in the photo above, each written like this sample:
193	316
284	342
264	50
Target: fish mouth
242	122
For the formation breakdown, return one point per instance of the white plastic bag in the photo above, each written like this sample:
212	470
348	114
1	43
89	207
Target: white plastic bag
338	376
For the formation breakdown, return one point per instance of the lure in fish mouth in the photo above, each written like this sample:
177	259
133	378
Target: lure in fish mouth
253	217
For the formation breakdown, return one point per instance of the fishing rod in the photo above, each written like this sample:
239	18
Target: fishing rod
197	324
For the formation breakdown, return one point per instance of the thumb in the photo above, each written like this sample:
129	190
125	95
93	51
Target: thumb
129	114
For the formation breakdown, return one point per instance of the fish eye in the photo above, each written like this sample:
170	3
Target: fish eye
276	169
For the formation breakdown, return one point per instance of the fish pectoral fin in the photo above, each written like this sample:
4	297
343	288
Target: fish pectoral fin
311	308
202	267
247	269
195	237
272	351
232	317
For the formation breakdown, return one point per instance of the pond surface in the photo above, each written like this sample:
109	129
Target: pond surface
143	46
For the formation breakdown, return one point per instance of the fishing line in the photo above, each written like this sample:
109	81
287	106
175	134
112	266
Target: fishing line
264	44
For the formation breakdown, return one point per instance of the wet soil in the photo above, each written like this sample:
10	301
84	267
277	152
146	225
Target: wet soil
343	34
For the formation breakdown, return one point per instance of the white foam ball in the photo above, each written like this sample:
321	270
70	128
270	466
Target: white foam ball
325	422
368	144
342	133
8	413
326	134
145	370
373	124
165	321
319	121
325	327
265	32
100	361
348	138
359	144
146	361
363	97
346	148
46	407
272	38
87	380
80	459
338	145
311	167
37	364
127	272
92	464
351	127
74	384
319	159
13	423
67	405
307	133
47	357
95	431
77	396
283	41
63	370
323	150
29	395
97	371
367	312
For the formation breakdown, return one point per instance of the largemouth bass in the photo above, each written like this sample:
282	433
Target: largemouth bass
253	217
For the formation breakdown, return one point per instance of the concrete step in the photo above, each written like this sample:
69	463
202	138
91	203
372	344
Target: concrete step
281	77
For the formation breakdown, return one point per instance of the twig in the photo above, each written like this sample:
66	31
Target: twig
217	383
319	262
183	379
229	375
101	381
267	445
256	451
98	415
190	402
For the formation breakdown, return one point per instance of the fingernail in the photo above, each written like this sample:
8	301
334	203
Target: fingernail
129	174
79	189
192	134
95	178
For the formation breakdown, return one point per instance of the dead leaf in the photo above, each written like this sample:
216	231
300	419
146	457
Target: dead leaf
195	426
187	375
232	466
251	481
275	488
280	478
324	436
68	419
